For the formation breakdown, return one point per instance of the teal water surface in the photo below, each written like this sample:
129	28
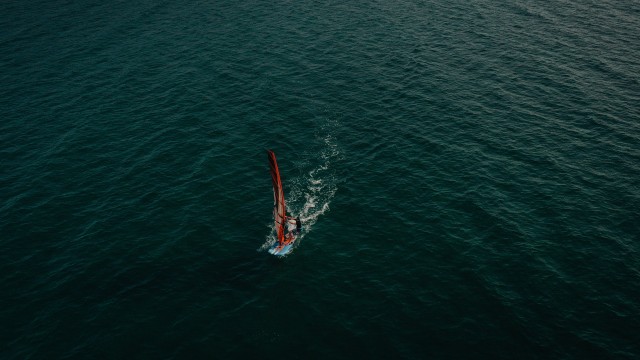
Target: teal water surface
467	173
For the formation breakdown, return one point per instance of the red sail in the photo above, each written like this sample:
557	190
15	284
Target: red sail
278	196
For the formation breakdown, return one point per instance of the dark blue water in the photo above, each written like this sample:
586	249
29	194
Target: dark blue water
468	175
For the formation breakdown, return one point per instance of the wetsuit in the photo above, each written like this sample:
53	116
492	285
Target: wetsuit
298	225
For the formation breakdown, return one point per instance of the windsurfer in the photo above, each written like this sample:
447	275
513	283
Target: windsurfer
295	222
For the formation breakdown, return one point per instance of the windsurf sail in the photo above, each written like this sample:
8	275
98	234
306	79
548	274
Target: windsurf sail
279	210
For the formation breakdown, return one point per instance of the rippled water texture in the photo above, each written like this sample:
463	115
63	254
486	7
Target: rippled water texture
467	173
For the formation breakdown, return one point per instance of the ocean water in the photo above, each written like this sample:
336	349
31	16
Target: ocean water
468	175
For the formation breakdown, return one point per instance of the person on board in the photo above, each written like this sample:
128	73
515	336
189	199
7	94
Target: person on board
295	221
